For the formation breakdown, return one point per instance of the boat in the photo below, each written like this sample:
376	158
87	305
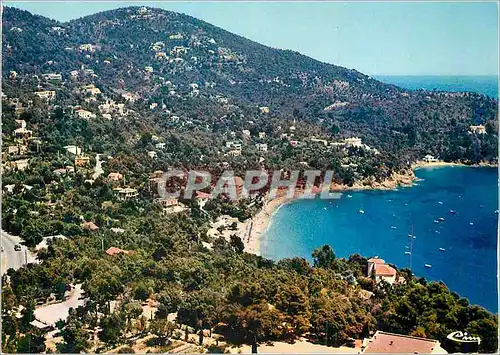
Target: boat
496	212
407	253
471	223
324	208
442	249
437	232
349	196
406	246
441	219
393	227
453	212
440	202
428	265
361	211
436	221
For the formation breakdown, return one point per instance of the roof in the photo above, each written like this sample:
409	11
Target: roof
384	270
114	251
383	342
90	226
376	261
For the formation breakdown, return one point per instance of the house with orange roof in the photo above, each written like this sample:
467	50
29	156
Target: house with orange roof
381	270
115	251
390	343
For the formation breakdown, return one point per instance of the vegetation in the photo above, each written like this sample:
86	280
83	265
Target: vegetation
215	287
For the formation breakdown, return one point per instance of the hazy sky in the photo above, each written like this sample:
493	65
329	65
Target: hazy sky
431	38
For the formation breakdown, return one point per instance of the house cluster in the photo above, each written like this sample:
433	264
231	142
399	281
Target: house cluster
19	148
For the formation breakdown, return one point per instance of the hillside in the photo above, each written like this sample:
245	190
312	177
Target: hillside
213	78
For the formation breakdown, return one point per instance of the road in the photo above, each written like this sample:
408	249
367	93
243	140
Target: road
50	314
10	257
98	167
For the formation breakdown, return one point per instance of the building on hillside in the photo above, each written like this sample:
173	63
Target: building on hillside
115	251
477	129
390	343
91	226
91	89
429	159
48	95
52	76
22	133
115	177
21	164
261	147
353	142
127	193
381	270
85	114
171	205
82	160
233	145
17	149
73	149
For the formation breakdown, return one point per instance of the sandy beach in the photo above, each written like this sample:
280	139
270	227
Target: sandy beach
251	231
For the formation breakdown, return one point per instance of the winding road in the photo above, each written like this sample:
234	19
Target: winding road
98	167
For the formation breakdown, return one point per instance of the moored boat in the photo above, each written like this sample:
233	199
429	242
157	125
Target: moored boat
442	249
428	266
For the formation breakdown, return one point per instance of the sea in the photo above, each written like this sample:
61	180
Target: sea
486	84
378	223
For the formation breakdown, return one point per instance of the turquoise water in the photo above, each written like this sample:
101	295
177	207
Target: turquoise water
487	85
469	264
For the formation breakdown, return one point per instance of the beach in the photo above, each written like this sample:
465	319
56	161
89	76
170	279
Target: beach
252	230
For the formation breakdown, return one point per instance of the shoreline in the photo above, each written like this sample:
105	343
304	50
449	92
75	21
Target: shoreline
252	230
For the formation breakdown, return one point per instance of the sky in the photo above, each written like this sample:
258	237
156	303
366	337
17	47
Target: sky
382	38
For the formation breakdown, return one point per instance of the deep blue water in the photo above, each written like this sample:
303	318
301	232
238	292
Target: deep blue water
469	264
487	85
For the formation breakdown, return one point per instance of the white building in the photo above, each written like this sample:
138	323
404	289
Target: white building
430	159
261	147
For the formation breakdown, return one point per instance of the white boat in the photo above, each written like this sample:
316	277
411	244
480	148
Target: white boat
440	202
393	227
441	219
407	253
324	208
471	223
361	211
452	212
496	212
349	196
437	232
436	221
428	265
442	249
